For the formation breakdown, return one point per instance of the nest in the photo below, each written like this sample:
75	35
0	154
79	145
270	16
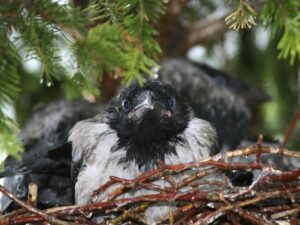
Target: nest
271	198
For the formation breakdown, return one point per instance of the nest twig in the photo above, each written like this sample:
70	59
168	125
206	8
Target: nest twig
184	187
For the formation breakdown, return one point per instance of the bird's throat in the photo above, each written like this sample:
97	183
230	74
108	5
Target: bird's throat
147	155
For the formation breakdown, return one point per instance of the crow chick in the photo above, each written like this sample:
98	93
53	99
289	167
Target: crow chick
45	132
142	125
226	110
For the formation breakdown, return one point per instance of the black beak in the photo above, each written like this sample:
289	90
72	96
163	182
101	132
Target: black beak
148	104
146	101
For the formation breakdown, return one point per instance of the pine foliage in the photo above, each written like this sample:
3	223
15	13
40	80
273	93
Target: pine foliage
281	16
114	37
127	39
243	16
9	90
284	17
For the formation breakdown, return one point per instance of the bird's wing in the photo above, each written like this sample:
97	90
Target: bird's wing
53	122
15	185
92	159
84	137
47	158
46	132
200	134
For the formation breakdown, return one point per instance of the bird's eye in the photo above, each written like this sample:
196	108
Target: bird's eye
171	103
220	80
125	104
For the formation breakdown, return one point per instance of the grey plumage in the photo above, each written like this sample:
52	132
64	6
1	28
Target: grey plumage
46	133
226	110
93	141
252	95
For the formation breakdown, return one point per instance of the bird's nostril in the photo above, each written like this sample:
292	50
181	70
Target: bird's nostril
168	113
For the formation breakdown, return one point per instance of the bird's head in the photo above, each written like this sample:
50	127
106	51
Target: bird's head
152	113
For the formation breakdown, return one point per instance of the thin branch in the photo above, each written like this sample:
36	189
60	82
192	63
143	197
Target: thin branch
211	28
285	213
32	194
260	197
49	218
253	218
196	203
129	213
208	29
259	147
291	127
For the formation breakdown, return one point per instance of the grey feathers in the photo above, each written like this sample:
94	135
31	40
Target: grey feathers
93	143
226	110
47	156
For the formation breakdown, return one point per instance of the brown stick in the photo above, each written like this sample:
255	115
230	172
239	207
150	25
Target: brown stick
291	128
130	212
196	196
286	213
260	197
100	206
253	219
32	194
194	200
287	176
175	169
49	218
211	161
259	147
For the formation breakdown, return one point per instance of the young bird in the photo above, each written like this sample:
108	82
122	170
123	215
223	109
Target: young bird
220	105
45	132
142	125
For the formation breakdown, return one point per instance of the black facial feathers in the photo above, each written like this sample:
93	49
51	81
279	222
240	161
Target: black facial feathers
148	120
